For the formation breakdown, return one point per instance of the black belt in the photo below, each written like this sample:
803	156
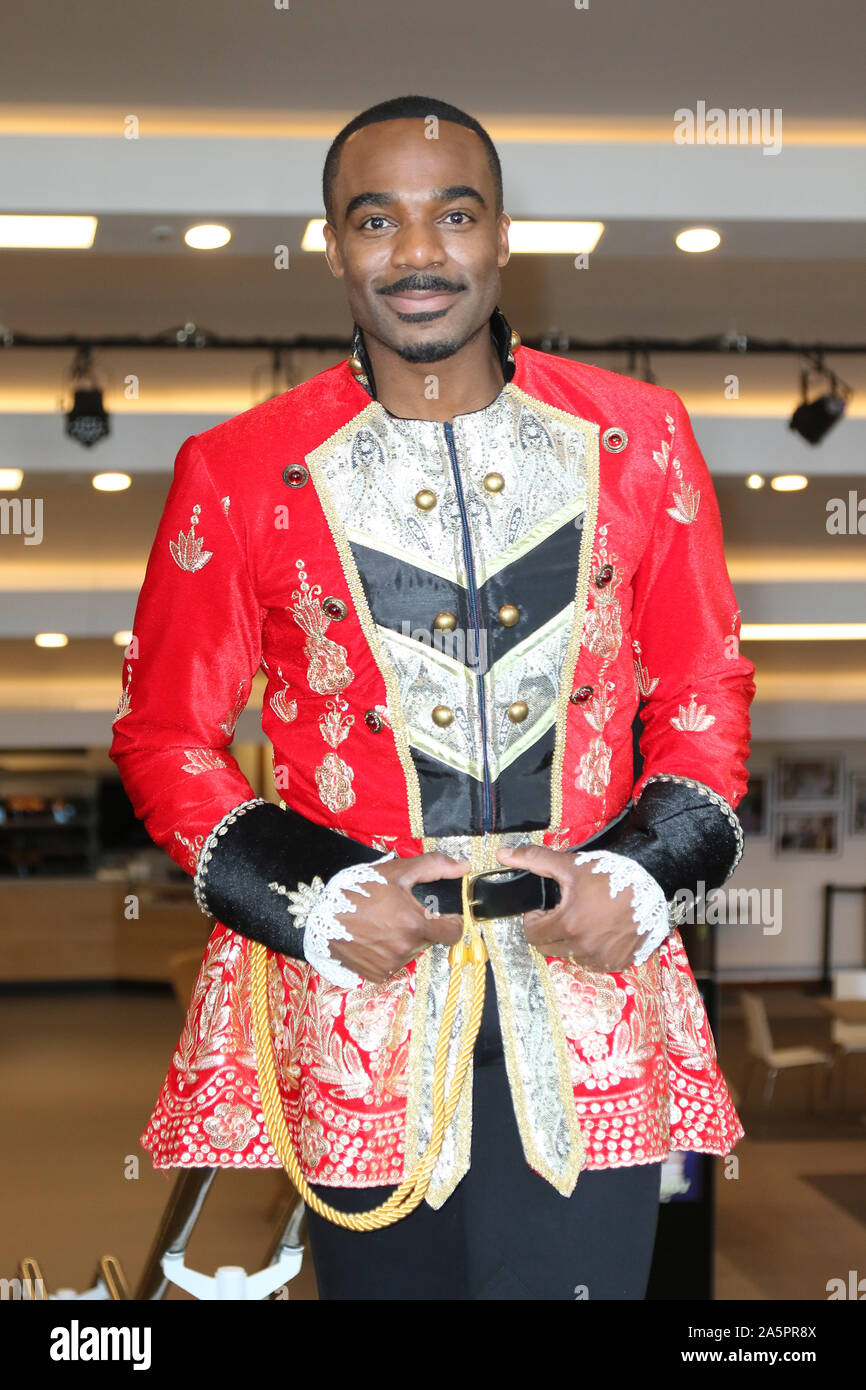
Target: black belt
502	892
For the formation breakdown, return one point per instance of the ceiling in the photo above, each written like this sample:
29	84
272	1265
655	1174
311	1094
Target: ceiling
235	110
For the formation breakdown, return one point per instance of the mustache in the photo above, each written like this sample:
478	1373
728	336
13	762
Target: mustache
427	283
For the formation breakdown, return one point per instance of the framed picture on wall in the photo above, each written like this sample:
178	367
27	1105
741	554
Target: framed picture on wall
809	779
754	809
807	832
857	819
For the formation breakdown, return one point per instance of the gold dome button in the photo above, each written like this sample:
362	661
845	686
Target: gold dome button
518	711
509	615
443	716
493	482
425	499
515	340
445	622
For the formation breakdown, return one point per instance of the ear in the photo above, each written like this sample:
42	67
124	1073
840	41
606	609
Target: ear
332	252
504	252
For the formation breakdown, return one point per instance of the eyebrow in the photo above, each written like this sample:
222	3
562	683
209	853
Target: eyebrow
440	195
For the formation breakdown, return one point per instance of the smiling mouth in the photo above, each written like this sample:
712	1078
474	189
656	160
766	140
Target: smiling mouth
426	302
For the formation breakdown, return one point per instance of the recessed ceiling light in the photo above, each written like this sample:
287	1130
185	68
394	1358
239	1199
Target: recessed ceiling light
51	639
111	482
10	479
554	238
789	482
47	232
754	481
207	237
698	239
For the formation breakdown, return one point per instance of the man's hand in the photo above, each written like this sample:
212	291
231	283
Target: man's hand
587	925
391	927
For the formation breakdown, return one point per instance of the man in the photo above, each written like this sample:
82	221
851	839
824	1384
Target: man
463	566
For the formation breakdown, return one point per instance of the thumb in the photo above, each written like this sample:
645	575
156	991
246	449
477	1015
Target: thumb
523	856
443	866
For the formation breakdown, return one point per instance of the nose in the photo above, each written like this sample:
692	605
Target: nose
418	245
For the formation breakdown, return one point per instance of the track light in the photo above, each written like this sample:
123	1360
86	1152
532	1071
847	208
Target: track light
813	419
87	421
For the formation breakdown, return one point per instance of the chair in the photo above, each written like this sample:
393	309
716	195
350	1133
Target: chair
759	1045
848	1037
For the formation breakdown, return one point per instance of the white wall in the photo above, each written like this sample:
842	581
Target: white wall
744	949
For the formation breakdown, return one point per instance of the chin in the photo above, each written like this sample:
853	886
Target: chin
427	351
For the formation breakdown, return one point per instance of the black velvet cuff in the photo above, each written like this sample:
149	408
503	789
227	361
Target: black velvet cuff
262	845
681	833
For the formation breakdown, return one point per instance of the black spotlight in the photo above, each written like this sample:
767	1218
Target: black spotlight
87	421
813	419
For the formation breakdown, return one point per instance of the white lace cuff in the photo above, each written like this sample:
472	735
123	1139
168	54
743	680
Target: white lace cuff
649	905
315	907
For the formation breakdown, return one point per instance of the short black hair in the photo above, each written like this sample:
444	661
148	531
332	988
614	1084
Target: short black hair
402	108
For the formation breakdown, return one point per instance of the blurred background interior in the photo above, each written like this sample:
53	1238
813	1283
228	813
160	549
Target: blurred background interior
209	115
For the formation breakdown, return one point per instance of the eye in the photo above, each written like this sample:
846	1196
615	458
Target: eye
374	217
458	213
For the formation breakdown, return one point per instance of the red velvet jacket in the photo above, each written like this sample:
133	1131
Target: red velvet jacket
300	537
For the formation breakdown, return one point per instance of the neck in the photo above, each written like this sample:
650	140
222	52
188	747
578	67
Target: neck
469	380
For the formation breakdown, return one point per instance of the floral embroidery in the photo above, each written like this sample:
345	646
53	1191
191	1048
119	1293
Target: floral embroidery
283	708
187	551
219	1020
687	500
193	847
645	684
594	774
328	672
692	719
378	1015
602	631
662	456
124	704
231	1126
384	842
333	776
685	507
202	760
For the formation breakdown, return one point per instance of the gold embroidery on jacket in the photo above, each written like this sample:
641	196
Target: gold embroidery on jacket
328	672
282	706
202	760
218	1024
124	704
692	718
187	551
645	683
333	776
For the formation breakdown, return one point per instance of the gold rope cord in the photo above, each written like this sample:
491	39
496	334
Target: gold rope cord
469	950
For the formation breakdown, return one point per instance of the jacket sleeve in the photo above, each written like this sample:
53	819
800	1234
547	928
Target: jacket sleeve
695	685
188	672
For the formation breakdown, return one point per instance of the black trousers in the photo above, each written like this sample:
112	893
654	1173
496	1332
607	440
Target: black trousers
504	1233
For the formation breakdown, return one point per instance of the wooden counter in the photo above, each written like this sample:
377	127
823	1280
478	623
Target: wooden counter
81	929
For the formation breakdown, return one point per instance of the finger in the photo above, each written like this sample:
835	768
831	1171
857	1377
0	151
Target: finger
445	929
541	859
428	867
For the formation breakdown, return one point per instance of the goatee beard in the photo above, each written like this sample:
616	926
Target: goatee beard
428	352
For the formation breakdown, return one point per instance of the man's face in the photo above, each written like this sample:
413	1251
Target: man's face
417	239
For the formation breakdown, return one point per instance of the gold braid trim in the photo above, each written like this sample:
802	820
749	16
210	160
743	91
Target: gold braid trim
469	950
